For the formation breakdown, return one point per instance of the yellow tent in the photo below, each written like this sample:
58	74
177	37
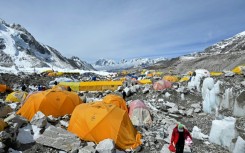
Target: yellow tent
17	96
74	85
149	75
184	79
171	78
239	69
216	74
117	100
146	81
2	124
99	85
98	121
50	102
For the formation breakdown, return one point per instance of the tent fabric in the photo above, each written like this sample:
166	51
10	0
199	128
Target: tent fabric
116	100
216	73
74	85
184	79
17	96
2	124
146	81
3	87
139	114
238	69
97	121
50	102
162	84
99	85
171	78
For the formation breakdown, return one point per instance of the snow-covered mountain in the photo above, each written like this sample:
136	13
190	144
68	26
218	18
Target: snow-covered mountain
235	43
20	50
224	55
107	64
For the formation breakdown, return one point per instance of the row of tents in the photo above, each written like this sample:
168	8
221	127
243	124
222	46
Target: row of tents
96	121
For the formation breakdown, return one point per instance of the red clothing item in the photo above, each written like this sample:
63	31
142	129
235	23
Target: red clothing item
175	135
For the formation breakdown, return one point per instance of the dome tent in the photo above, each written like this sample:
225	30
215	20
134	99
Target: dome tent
162	84
50	102
17	96
117	100
139	114
97	121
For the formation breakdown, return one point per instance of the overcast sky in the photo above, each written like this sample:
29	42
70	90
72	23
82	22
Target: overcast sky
117	29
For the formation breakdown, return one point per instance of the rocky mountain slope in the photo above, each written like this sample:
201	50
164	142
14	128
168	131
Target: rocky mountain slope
108	64
223	55
19	49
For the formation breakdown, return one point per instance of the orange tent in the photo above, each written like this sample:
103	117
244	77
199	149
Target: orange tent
50	102
117	100
4	88
97	121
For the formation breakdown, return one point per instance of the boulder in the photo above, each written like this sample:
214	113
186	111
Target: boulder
127	91
4	110
106	146
87	149
197	134
59	138
39	119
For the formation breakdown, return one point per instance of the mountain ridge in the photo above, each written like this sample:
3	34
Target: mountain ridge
19	49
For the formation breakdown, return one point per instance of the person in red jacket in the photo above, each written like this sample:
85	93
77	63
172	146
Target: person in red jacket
179	135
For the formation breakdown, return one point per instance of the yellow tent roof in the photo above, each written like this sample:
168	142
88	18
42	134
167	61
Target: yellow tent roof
216	73
74	85
171	78
99	85
98	121
17	96
184	79
116	100
238	69
50	102
146	81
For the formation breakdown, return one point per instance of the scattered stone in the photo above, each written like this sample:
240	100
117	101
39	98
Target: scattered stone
64	123
189	112
4	110
39	119
127	91
197	134
2	145
146	90
91	144
51	119
229	74
87	149
197	110
59	138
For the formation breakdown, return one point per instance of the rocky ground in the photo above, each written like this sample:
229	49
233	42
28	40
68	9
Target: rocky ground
167	107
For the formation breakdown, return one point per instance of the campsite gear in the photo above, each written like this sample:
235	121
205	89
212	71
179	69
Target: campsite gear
171	78
116	100
50	102
17	96
184	79
171	148
4	88
139	114
239	69
145	81
162	84
213	74
97	121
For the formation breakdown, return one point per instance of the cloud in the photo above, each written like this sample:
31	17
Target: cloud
120	29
